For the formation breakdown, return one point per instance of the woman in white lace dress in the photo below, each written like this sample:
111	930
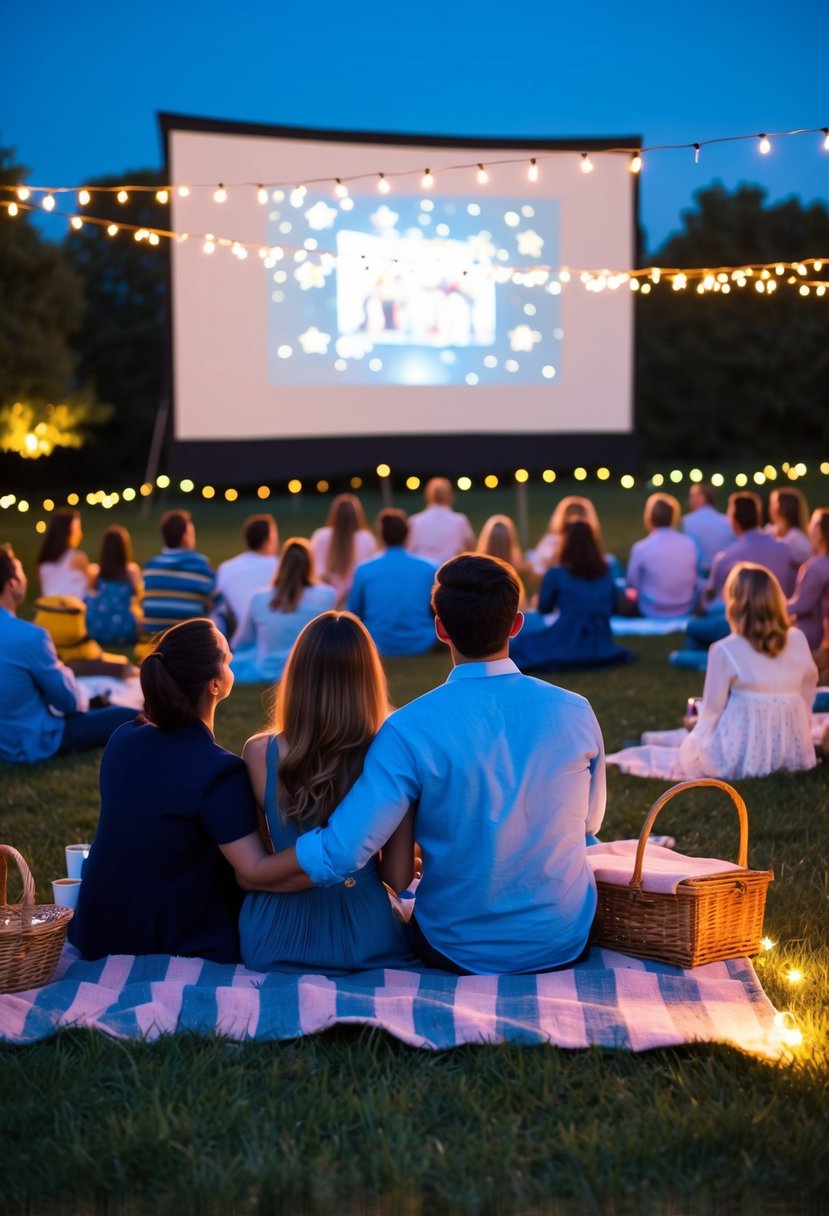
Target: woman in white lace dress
755	716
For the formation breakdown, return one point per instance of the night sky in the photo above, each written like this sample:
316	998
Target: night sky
82	86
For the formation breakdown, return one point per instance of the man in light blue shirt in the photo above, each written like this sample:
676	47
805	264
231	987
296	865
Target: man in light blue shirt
41	705
506	776
707	527
392	592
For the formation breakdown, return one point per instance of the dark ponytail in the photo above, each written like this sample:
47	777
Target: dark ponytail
176	671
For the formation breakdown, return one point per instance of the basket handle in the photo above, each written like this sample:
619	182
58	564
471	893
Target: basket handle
6	850
742	855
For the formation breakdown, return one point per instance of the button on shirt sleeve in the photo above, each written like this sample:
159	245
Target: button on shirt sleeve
367	816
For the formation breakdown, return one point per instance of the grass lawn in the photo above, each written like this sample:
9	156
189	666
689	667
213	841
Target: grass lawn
355	1121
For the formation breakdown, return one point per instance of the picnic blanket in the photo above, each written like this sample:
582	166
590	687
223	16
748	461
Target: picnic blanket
608	1000
643	626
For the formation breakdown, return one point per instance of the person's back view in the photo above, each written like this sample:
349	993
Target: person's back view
662	569
178	582
506	774
391	593
438	533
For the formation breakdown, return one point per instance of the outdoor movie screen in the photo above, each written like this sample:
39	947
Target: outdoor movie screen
417	311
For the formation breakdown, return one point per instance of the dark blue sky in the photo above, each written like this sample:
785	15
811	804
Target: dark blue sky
83	84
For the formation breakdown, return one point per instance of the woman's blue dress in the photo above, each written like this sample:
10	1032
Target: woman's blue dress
580	636
110	618
347	927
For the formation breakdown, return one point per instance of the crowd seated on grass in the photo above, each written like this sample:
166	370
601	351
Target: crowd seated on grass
338	780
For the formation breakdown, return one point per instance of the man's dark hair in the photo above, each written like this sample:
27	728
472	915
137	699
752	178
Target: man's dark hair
393	527
8	569
476	598
173	526
256	529
746	510
662	511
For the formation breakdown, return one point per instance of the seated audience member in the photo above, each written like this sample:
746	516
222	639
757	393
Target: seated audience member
331	702
755	716
708	528
177	816
438	533
392	592
499	538
750	545
253	570
277	615
662	568
788	514
809	605
112	603
342	544
63	569
178	582
506	776
571	508
43	711
582	589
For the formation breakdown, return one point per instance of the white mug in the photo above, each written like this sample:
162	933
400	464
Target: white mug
76	855
65	892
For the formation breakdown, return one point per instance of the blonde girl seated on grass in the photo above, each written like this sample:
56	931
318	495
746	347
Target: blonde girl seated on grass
755	716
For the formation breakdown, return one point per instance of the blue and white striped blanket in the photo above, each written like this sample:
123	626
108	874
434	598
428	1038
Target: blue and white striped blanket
609	1000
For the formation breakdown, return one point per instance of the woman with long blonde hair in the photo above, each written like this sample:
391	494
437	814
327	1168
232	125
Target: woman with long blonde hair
755	715
330	703
344	542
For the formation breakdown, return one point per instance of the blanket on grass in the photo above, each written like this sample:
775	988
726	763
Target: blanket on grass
609	1000
642	626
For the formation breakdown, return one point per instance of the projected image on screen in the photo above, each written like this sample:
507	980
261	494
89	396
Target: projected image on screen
412	291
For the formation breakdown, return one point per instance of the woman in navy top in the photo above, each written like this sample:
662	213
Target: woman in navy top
177	816
581	587
332	700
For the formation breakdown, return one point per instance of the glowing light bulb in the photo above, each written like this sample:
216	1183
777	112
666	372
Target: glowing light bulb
427	181
340	189
23	193
162	196
794	975
112	229
383	470
220	194
183	191
49	202
83	197
586	163
262	196
483	176
532	172
76	222
382	185
153	238
13	209
765	144
122	196
636	162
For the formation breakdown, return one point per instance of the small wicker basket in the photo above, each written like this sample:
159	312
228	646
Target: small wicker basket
31	935
706	920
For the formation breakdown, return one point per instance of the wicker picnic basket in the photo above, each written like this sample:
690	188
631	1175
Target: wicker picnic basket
707	919
31	935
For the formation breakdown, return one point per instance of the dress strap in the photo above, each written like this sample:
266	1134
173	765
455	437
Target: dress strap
271	762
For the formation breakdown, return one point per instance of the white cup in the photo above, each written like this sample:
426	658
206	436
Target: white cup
65	892
76	855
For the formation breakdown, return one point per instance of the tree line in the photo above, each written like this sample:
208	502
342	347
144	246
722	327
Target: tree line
742	374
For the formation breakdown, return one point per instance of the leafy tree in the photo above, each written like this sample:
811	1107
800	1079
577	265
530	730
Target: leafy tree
744	373
42	306
121	344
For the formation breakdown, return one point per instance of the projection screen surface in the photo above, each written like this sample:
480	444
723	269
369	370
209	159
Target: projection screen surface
420	311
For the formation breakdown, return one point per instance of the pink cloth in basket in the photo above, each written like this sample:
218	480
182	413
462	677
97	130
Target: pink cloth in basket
662	871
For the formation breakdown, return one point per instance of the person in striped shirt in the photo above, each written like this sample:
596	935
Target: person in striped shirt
179	583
